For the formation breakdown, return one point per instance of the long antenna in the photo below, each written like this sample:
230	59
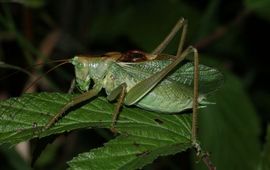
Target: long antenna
41	76
24	70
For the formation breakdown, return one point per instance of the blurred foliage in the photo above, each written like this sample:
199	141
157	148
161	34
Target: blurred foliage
27	3
232	135
261	7
232	34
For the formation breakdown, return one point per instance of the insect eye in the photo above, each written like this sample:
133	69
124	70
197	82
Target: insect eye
79	65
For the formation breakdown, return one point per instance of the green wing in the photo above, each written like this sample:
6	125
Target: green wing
210	79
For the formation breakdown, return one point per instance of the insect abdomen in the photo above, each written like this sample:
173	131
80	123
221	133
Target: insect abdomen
167	98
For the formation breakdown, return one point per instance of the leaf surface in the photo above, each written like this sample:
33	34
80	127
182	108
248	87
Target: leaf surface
143	135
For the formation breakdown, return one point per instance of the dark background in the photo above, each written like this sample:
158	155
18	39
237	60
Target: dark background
232	35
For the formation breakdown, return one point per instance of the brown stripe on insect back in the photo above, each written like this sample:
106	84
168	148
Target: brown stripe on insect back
114	55
109	55
133	56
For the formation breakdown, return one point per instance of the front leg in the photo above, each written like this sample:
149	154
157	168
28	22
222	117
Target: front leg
76	100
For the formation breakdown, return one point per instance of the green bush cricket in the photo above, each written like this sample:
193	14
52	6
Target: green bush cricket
152	81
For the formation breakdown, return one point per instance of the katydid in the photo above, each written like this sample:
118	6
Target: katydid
152	81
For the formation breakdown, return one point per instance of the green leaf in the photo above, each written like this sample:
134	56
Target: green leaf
261	7
143	135
230	128
264	163
129	152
